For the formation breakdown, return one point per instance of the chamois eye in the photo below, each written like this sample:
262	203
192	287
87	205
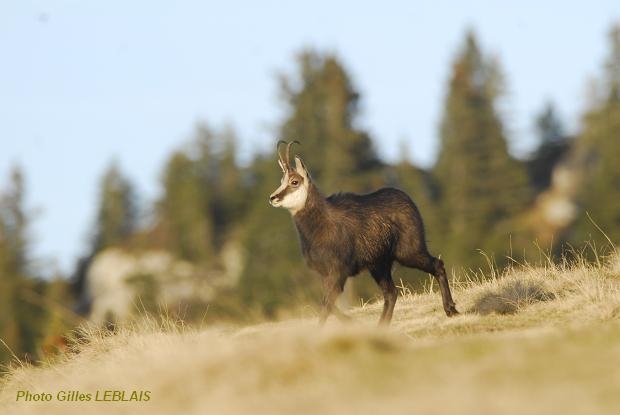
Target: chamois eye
294	182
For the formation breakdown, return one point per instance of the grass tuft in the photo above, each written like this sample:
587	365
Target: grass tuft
511	296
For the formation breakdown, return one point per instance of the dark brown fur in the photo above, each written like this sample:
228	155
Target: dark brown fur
347	233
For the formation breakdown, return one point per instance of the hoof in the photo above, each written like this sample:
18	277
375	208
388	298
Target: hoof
383	322
451	312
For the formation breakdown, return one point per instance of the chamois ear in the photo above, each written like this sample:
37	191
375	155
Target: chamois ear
300	167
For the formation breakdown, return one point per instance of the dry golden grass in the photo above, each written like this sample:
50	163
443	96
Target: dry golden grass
540	340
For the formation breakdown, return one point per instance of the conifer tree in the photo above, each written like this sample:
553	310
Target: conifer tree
481	186
184	208
14	224
117	213
322	114
553	143
228	199
599	146
19	320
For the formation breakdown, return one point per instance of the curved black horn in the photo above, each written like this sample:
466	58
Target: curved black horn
288	149
284	162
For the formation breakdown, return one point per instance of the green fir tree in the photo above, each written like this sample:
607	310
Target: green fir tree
184	211
481	185
21	321
599	147
117	213
322	114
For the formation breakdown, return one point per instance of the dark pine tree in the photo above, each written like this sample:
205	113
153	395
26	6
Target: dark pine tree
117	213
599	146
481	186
21	321
553	144
184	210
322	113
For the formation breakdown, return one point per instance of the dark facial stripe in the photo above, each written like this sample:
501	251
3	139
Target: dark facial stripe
289	189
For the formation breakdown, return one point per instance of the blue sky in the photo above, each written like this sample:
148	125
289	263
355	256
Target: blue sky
86	82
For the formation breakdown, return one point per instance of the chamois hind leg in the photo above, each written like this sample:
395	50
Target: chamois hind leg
383	276
332	288
428	263
439	272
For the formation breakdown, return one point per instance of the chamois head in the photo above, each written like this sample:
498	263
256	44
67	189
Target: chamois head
293	190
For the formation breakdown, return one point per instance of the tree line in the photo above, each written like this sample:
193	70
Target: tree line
479	202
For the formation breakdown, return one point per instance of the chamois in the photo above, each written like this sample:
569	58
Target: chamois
346	233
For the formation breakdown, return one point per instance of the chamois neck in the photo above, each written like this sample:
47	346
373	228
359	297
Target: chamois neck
314	208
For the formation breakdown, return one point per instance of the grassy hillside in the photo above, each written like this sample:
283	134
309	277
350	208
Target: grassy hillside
535	340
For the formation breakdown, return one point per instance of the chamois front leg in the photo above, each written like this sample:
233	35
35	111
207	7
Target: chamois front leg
332	288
